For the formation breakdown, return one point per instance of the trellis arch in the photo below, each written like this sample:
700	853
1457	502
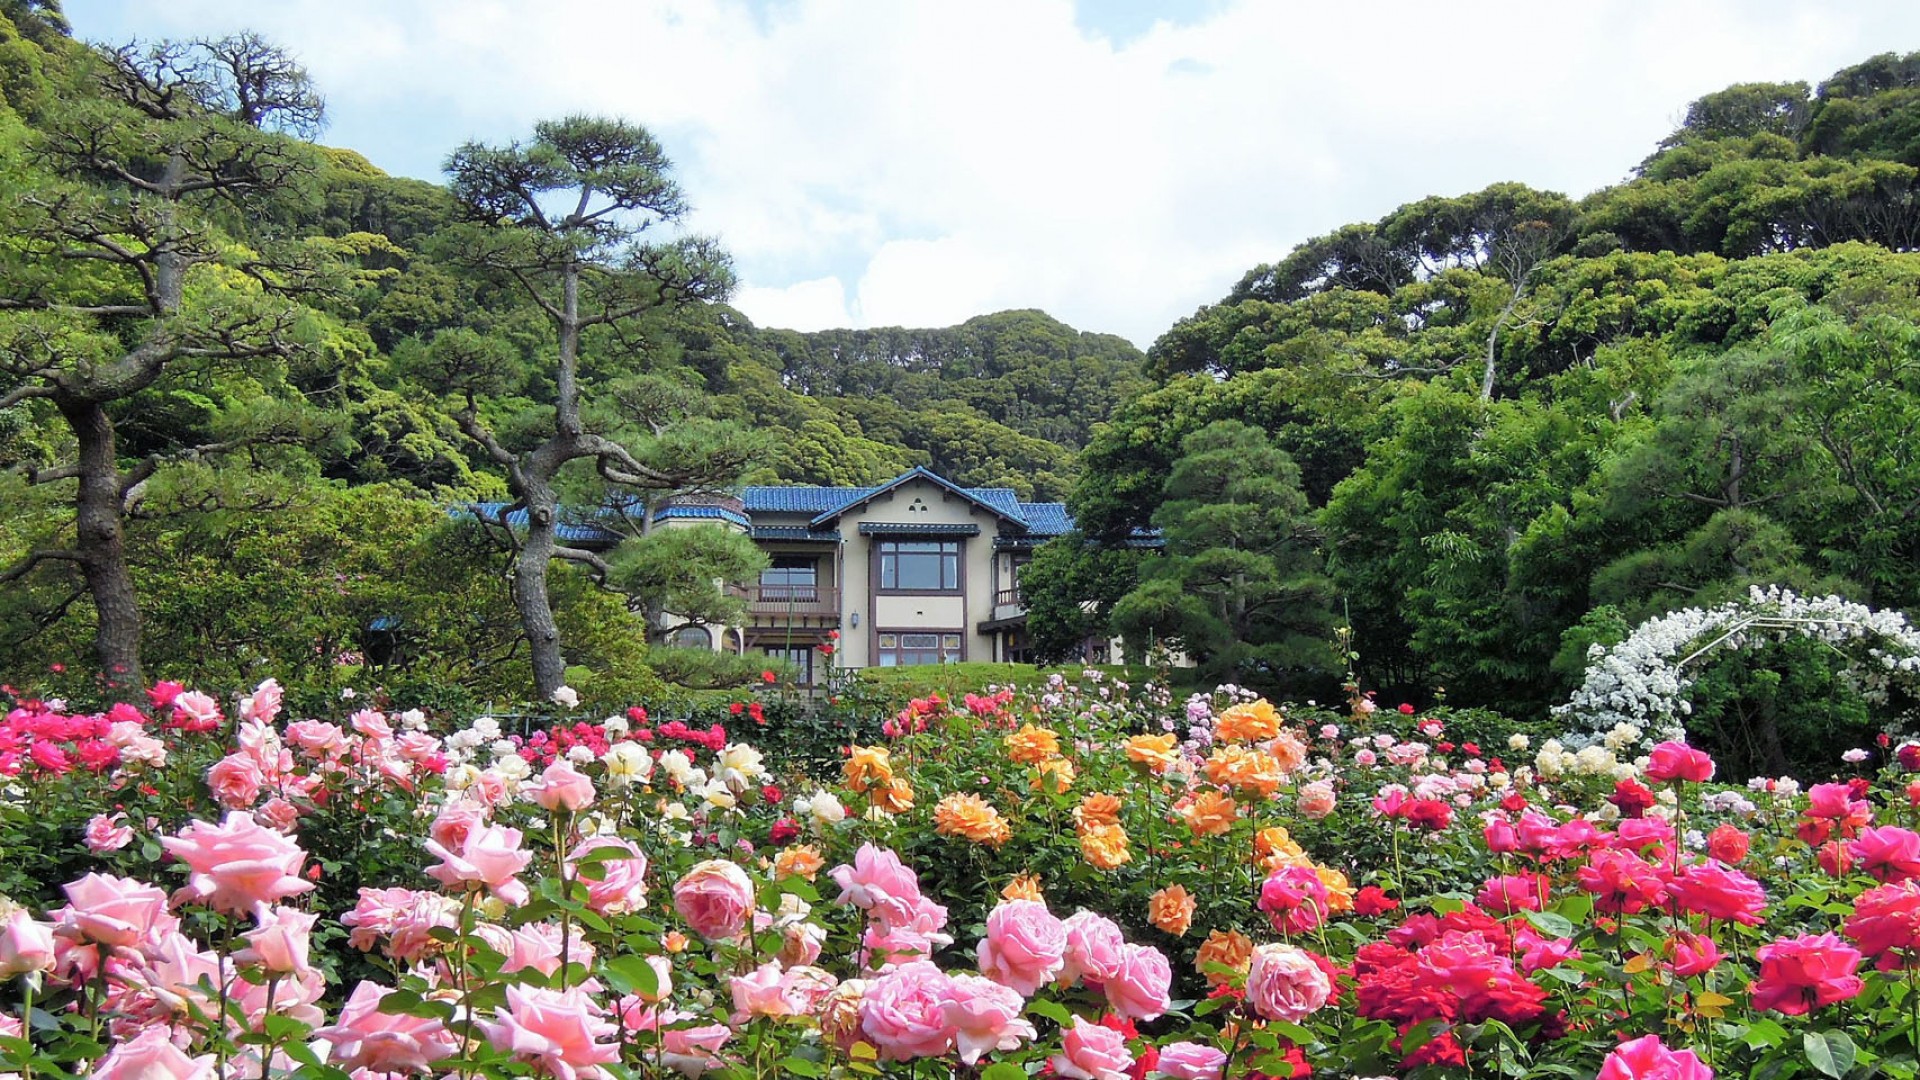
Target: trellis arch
1642	681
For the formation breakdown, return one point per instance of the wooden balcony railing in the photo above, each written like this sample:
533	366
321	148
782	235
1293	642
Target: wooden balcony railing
1009	598
771	602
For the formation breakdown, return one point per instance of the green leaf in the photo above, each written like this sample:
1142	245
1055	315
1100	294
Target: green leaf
801	1067
1003	1070
1831	1052
631	974
1550	923
1052	1010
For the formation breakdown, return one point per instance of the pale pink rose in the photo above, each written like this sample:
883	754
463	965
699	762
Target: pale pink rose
616	883
263	705
758	993
122	733
715	898
26	945
11	1028
560	1032
1092	1052
197	707
296	997
279	814
491	856
235	780
417	746
1025	946
692	1051
490	788
985	1016
539	946
1093	948
1317	799
106	834
1191	1061
1284	983
318	738
372	723
363	1037
238	864
454	821
903	1012
563	787
800	944
177	974
877	882
151	1055
405	917
115	911
1138	989
280	942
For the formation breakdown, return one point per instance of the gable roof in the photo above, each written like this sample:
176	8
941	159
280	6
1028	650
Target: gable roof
999	502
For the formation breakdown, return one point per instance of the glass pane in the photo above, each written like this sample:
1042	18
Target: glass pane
888	659
919	572
951	641
889	571
953	657
889	641
920	641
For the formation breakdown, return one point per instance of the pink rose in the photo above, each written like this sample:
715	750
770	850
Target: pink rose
563	787
280	941
1025	945
1317	800
1646	1058
151	1055
616	883
280	815
1678	761
877	882
235	780
106	834
1889	853
559	1032
113	911
1092	1052
984	1016
363	1037
1191	1061
692	1051
196	711
263	705
1138	988
715	898
490	856
26	945
318	738
903	1012
1284	983
1093	948
372	723
454	821
238	864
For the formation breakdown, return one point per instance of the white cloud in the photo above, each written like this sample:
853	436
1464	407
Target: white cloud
934	160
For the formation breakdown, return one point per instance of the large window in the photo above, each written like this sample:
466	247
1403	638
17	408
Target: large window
901	649
800	656
691	637
919	566
791	577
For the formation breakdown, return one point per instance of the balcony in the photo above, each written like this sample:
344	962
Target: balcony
1008	604
775	603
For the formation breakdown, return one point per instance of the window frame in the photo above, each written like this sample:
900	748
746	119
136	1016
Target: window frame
941	651
950	553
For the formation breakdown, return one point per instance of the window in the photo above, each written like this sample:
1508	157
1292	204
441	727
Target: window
919	566
791	577
800	656
898	649
690	637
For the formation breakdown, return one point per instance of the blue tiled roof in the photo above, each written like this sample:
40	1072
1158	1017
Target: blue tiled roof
801	500
794	532
570	529
701	513
1046	519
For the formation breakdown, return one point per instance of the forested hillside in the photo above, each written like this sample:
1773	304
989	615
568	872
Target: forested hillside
244	376
1524	422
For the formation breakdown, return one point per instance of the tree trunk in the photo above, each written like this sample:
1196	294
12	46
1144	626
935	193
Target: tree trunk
101	545
530	589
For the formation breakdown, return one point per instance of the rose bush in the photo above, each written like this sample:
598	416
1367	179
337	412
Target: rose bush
1081	880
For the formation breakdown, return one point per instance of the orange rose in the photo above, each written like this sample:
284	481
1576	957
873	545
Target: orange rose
1105	847
1229	949
1032	745
1210	813
1339	890
1171	910
1024	887
972	818
1276	841
1053	776
674	941
1098	808
1156	752
1243	769
896	797
868	766
1254	721
801	860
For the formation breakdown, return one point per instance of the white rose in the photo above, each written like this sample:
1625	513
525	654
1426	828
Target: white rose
566	697
627	764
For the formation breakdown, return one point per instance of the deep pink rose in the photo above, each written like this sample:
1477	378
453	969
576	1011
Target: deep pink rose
26	945
1800	974
1283	983
1025	946
1889	853
563	787
1093	948
903	1012
1191	1061
715	898
1678	761
491	856
1092	1052
363	1037
560	1032
1505	894
1645	1058
985	1016
877	882
1138	989
238	863
113	911
151	1055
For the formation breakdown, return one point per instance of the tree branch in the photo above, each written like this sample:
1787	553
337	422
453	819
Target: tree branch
25	566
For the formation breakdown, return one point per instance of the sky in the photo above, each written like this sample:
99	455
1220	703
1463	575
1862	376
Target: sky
1116	163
